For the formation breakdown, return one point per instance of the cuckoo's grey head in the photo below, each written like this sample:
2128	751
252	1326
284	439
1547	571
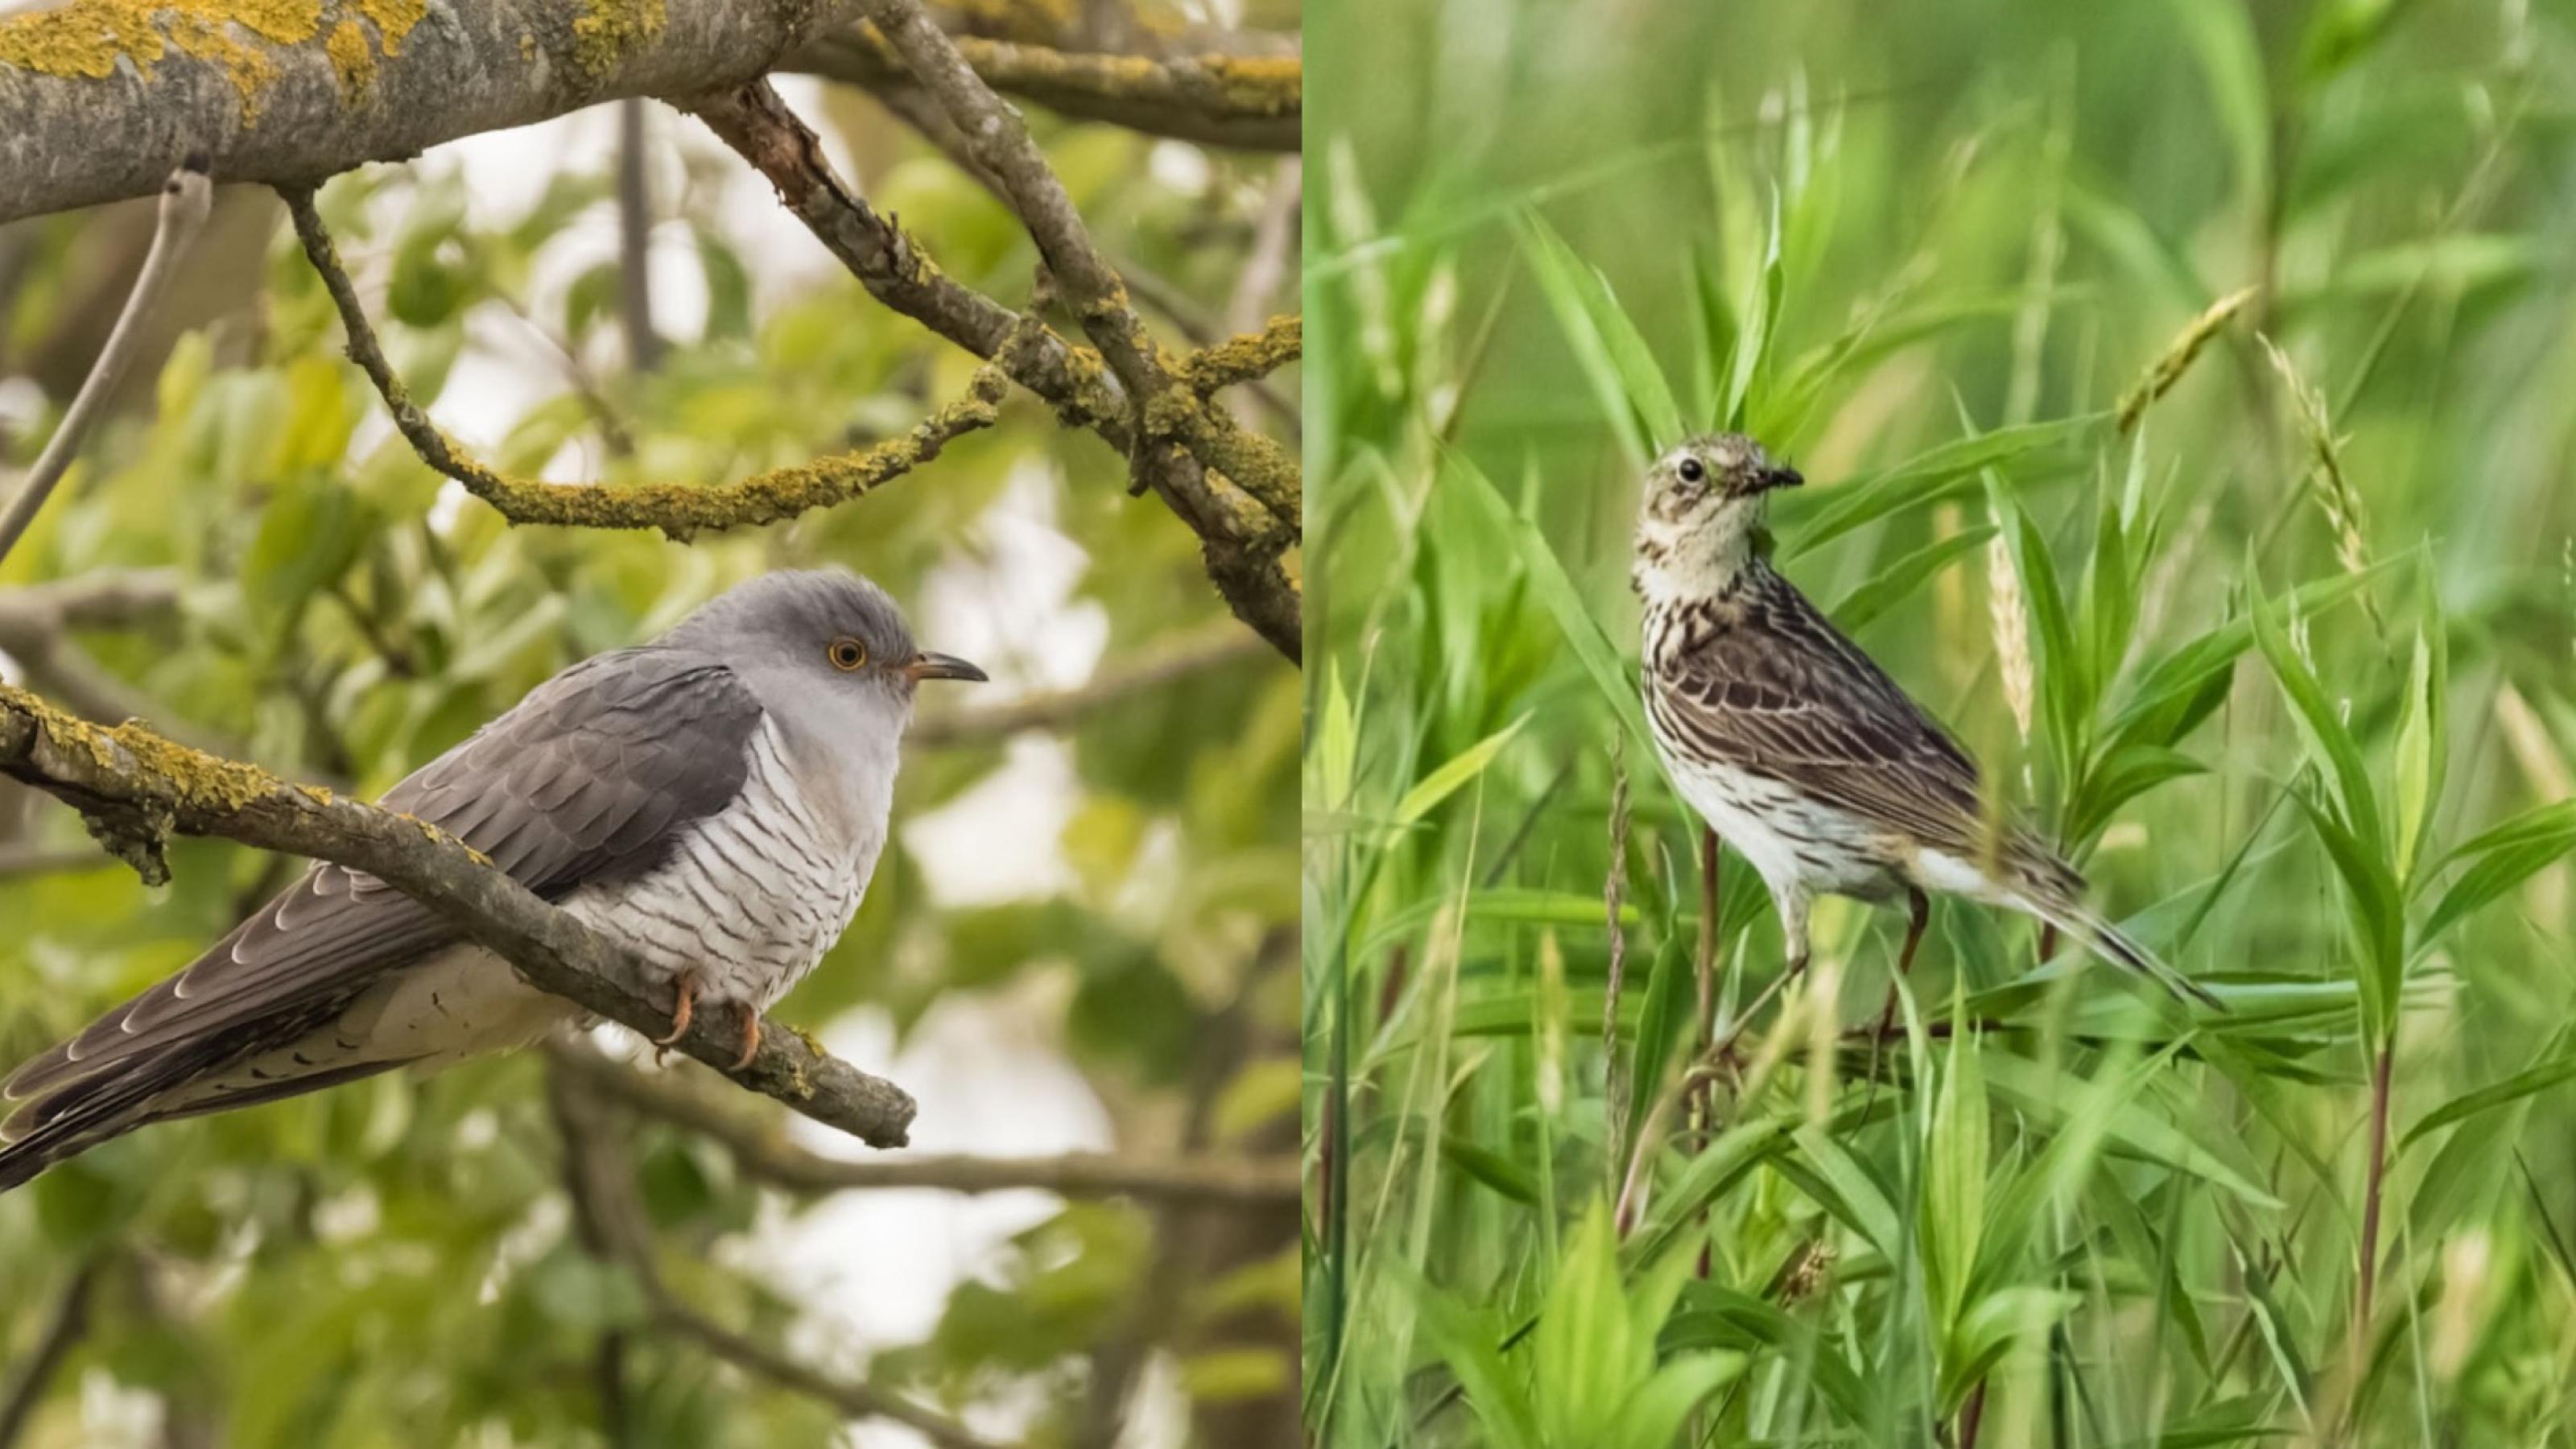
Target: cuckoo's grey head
1702	514
824	640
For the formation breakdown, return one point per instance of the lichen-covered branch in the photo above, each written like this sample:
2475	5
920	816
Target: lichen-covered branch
1242	538
1246	102
761	1152
135	788
1182	445
100	99
678	509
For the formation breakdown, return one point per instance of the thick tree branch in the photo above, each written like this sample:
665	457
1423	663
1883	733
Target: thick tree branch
1247	102
677	509
759	1150
1111	686
102	98
135	788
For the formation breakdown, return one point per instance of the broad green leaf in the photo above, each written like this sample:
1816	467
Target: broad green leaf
2129	1126
1955	1166
1811	517
1633	394
2329	740
2504	858
2555	1065
1892	585
1555	592
1443	782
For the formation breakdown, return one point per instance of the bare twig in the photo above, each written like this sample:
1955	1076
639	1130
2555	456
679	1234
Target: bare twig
1056	709
635	239
135	787
679	510
853	1397
185	198
600	1178
758	1149
62	1333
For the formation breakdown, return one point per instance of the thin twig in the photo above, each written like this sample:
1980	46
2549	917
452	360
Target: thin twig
70	1321
762	1153
1058	708
185	199
635	238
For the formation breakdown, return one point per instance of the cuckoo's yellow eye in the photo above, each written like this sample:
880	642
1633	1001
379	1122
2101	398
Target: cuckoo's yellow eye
848	654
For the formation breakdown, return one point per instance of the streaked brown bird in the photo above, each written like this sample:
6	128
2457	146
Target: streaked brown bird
1797	749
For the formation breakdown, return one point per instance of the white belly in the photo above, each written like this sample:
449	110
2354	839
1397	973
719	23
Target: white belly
1793	841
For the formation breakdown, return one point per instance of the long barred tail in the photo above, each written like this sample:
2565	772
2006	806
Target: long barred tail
2114	945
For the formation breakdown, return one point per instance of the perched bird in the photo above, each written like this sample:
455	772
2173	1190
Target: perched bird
713	801
1800	752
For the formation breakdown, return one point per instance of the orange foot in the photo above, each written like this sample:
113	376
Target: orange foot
682	1013
750	1037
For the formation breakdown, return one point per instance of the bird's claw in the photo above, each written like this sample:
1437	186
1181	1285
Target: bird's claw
682	1013
750	1038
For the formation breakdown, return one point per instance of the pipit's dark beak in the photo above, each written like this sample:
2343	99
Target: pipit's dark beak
926	665
1781	477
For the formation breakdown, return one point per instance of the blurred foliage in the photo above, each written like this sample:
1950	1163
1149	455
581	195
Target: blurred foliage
393	1262
2288	667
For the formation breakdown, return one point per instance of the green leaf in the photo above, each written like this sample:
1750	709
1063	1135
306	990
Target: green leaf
1955	1166
1630	387
1466	765
1654	1415
1555	592
2504	858
1760	314
1892	585
2127	1124
1810	519
1585	1349
1843	1187
2422	741
2329	740
2377	909
2556	1064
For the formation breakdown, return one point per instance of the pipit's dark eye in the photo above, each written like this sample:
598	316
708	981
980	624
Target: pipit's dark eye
848	654
1691	470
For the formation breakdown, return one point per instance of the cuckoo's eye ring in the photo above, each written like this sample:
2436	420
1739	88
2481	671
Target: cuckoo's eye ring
847	654
1691	470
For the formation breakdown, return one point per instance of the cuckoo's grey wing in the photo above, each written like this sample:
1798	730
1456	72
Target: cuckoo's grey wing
1786	696
586	779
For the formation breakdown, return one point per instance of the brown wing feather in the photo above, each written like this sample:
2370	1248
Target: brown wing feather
585	779
1770	686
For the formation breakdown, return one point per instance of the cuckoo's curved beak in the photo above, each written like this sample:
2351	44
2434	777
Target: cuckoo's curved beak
926	665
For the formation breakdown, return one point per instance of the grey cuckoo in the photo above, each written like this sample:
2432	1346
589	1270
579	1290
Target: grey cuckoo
714	801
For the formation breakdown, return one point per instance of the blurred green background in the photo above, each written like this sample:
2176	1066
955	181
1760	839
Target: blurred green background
1080	939
2284	656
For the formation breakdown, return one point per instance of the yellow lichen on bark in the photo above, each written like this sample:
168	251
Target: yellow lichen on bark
86	38
607	29
352	58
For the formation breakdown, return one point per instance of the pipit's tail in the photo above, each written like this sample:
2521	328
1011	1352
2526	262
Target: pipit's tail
2115	945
